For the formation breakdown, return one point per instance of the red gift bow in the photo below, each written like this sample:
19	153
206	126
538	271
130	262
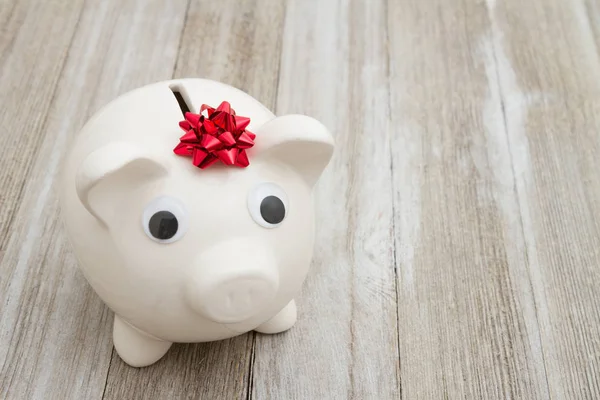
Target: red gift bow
220	136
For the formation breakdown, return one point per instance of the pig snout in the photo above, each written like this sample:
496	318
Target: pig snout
233	281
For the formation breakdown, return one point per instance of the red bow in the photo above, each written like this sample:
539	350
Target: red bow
219	136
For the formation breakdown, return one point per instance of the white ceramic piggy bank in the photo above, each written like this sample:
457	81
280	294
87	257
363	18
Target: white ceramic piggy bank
180	237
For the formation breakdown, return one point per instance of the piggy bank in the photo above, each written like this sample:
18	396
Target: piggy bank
183	243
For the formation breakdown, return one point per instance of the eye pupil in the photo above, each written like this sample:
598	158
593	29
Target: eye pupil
163	225
272	209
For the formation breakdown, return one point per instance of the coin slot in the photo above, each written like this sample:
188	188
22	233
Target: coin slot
182	98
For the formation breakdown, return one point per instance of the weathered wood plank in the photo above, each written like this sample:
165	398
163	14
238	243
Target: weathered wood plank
55	332
30	67
550	78
467	319
216	370
474	154
30	70
238	44
12	15
344	344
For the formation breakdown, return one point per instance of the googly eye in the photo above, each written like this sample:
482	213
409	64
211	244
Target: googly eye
165	219
267	204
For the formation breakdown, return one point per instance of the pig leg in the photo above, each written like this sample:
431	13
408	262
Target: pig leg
135	347
283	321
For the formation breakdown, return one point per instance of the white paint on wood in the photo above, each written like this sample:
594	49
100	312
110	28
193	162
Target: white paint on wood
506	111
407	207
531	118
334	67
467	161
51	298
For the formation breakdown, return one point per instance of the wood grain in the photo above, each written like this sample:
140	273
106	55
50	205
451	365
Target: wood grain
334	67
457	250
29	64
55	332
238	44
552	103
467	321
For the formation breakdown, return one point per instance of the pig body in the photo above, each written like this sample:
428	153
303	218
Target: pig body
182	254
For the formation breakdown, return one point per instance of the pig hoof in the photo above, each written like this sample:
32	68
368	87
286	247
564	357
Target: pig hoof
135	347
283	321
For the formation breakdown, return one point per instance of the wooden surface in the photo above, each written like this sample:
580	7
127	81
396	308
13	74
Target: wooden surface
458	251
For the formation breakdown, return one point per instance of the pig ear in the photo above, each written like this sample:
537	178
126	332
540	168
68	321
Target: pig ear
299	141
111	169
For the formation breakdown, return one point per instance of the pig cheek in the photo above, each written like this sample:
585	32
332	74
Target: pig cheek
295	241
144	261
